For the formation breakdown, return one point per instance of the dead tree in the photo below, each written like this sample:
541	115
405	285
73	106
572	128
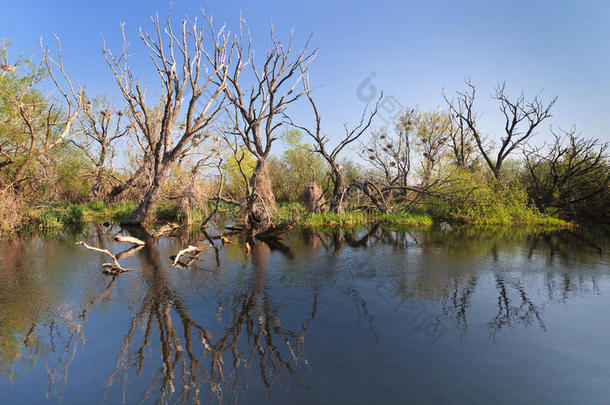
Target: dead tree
191	65
102	128
569	175
331	156
259	94
461	143
522	117
390	152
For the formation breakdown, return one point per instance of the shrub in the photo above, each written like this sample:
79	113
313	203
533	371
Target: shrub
472	198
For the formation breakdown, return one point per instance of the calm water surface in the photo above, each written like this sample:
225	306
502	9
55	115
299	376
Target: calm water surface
361	316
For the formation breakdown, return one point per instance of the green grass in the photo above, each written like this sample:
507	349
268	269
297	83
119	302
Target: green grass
286	211
496	213
61	216
360	217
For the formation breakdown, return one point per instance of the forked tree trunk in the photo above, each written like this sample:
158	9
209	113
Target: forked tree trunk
261	201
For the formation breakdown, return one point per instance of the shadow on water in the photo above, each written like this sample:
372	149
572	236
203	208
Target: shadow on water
235	320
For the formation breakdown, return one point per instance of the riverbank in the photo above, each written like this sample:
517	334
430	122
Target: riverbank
58	217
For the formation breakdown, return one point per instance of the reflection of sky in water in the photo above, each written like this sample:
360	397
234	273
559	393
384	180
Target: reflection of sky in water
327	316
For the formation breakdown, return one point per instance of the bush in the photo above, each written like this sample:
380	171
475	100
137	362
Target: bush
475	199
97	206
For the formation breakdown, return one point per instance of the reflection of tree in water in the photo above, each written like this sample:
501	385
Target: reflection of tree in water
254	335
454	289
197	357
509	314
29	333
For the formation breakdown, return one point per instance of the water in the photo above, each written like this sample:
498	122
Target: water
362	316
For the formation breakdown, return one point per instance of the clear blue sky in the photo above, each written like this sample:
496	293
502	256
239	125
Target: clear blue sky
415	49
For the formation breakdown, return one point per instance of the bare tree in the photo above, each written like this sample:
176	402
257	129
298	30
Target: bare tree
331	156
102	126
569	175
259	95
193	79
522	117
389	152
461	143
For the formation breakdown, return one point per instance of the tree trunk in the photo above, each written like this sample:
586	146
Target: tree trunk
336	203
141	213
96	190
313	197
127	184
261	201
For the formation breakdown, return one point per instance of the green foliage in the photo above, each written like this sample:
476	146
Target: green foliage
72	183
97	206
57	217
474	199
191	216
408	218
121	210
297	165
402	216
166	210
234	180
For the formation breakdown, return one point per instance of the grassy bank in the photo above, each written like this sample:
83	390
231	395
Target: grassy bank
495	215
57	217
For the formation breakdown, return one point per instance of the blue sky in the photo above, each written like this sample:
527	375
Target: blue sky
414	49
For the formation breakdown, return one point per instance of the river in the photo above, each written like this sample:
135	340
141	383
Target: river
368	315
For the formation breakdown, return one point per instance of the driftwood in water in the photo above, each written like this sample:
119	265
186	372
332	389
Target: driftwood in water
128	252
129	239
165	230
110	268
273	231
189	249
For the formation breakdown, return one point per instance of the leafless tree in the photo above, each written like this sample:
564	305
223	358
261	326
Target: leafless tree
522	117
331	156
462	143
569	172
101	129
259	94
390	152
191	65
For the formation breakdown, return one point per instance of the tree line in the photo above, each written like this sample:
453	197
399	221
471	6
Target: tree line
206	129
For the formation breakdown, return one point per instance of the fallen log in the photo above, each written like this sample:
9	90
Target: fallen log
110	268
165	230
273	231
128	252
189	249
129	239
